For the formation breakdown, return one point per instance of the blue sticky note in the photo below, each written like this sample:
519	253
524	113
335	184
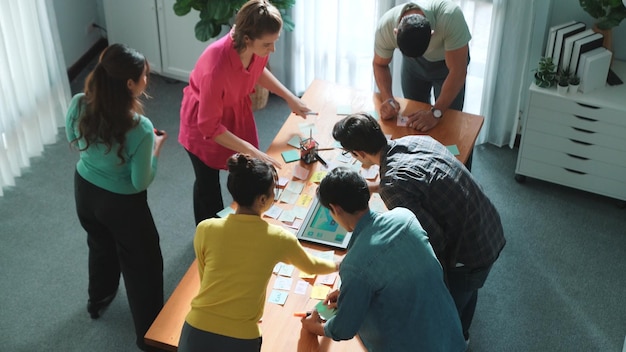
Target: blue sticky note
291	155
344	110
294	141
453	149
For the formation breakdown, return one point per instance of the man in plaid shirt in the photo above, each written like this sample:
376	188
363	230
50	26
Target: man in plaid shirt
420	174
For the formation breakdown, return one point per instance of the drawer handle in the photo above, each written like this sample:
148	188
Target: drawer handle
582	130
586	118
575	171
576	156
580	142
588	106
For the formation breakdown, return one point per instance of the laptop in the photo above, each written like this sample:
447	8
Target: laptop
319	227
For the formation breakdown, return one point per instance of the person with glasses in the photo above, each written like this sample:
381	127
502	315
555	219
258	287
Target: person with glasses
392	293
236	256
433	38
420	174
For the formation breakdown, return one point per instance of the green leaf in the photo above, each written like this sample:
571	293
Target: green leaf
205	30
182	7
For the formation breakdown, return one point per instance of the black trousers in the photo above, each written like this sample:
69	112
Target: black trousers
207	191
122	238
196	340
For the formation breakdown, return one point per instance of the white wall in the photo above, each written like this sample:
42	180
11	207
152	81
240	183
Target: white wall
73	17
567	10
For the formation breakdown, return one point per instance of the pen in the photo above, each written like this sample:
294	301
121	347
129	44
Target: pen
311	113
318	157
301	314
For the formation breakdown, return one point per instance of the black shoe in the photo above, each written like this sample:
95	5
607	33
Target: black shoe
96	308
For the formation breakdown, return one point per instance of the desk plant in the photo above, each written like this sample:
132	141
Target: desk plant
545	75
214	14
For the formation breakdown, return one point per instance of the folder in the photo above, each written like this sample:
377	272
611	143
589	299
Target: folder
552	37
582	46
568	45
561	35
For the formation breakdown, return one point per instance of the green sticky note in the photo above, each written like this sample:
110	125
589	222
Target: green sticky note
294	141
453	149
324	312
290	155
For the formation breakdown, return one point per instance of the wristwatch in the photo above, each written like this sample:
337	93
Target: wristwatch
436	113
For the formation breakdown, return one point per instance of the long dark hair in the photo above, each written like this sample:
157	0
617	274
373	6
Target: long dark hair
110	104
249	178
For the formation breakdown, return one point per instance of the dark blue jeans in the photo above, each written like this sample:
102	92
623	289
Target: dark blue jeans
464	284
196	340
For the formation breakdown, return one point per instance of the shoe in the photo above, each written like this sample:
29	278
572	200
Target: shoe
96	308
467	341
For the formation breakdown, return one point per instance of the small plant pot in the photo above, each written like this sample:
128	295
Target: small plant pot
573	88
561	89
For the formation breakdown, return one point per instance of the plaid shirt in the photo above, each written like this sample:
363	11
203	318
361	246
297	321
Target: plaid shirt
420	174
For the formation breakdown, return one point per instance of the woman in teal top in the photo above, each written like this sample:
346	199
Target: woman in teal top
118	160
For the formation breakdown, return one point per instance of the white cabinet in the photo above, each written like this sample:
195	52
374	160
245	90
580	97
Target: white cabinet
151	26
577	140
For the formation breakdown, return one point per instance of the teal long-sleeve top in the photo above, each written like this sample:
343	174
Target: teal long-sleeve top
103	168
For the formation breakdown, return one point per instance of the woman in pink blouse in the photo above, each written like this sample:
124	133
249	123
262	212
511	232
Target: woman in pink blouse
216	118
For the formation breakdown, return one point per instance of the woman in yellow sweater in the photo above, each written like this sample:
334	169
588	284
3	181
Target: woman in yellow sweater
236	256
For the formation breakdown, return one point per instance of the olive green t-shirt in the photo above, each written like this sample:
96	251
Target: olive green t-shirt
450	30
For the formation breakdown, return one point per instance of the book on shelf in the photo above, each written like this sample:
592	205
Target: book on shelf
552	37
568	45
594	68
561	35
582	46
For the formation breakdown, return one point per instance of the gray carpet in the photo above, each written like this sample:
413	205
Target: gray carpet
558	286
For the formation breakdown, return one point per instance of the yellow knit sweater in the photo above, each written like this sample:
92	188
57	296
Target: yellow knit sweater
236	256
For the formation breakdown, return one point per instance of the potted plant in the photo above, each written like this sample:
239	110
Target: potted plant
545	74
562	85
574	82
214	14
608	14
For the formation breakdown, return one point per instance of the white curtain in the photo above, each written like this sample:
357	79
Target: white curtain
34	89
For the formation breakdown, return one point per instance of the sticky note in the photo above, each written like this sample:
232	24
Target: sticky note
325	312
290	155
320	292
301	287
318	176
344	109
295	187
304	200
300	172
283	283
278	297
273	212
295	141
304	275
453	149
402	120
286	270
224	212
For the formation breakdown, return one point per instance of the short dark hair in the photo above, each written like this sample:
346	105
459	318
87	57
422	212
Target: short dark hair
413	35
346	188
361	132
249	178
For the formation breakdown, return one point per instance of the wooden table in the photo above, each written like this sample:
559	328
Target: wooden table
281	330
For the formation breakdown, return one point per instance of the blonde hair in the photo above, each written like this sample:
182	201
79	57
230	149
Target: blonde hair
255	19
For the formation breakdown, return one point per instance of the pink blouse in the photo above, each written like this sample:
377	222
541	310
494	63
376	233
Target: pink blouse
218	99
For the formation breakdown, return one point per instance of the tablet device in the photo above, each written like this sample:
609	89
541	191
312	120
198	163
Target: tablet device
319	227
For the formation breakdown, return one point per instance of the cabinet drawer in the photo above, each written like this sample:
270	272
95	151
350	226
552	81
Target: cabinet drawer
565	105
586	182
575	163
577	122
577	134
573	147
